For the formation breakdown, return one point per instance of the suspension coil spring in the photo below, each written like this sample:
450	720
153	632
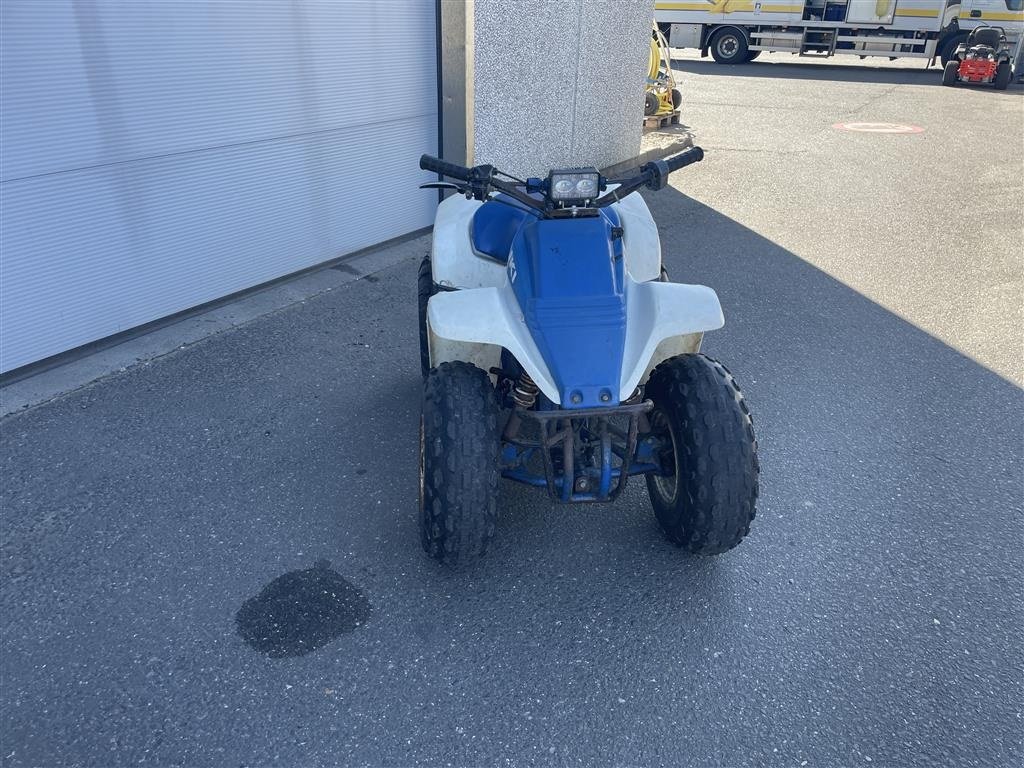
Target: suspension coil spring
525	392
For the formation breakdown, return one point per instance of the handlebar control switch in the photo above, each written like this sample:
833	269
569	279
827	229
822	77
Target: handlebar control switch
658	172
480	177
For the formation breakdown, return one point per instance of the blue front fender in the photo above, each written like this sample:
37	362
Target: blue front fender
567	275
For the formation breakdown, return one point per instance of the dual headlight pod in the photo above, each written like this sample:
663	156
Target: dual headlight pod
574	186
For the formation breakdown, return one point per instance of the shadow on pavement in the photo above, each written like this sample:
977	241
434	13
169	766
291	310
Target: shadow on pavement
891	466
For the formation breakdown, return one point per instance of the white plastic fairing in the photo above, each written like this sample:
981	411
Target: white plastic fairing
640	242
476	321
453	261
473	325
664	319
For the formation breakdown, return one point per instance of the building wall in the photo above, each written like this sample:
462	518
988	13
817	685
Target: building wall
558	83
160	155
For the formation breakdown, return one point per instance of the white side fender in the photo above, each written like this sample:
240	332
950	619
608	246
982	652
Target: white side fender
453	262
664	320
474	324
641	245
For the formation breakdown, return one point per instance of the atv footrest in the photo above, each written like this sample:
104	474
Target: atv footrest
586	457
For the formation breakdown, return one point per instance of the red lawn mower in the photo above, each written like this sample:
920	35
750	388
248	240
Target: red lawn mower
983	58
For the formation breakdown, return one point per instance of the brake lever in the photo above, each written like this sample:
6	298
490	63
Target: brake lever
443	185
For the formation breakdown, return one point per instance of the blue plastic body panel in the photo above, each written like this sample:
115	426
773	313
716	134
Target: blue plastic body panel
495	226
567	275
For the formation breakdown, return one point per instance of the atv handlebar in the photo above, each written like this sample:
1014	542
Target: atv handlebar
444	168
653	175
683	159
480	179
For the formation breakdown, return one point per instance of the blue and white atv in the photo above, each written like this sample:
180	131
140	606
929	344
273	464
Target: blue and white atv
556	353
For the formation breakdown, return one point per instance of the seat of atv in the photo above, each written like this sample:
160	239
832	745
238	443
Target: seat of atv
985	36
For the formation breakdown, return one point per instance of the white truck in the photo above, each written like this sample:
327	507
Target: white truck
736	31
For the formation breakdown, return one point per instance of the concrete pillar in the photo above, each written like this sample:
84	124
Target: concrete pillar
529	85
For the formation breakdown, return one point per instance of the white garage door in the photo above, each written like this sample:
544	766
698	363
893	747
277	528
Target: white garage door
159	155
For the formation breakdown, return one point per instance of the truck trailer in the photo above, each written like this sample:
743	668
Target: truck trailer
736	31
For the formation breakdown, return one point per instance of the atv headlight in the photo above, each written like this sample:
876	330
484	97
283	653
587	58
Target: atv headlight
574	186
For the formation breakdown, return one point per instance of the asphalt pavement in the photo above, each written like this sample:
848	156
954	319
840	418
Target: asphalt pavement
158	523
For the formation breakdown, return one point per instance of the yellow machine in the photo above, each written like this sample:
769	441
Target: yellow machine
661	97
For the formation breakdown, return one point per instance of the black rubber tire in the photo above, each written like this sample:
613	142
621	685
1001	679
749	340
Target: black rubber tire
425	289
651	104
1002	79
459	450
677	98
949	74
948	47
751	55
729	46
708	504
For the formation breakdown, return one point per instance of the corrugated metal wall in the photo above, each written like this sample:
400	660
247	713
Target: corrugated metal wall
158	155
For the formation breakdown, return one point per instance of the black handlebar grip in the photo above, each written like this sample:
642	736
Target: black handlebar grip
683	159
443	167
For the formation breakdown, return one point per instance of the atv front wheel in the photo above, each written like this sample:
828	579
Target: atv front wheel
706	499
949	74
459	450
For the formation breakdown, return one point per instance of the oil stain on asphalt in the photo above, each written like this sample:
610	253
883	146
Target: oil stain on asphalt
301	611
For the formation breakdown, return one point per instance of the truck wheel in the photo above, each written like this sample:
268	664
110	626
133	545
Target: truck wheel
949	74
1002	79
751	55
459	450
729	46
948	47
425	289
707	501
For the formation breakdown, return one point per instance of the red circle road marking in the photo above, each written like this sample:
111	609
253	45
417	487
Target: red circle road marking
878	128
